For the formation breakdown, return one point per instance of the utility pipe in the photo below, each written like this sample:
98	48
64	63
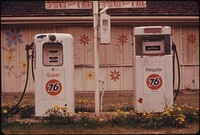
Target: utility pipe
96	55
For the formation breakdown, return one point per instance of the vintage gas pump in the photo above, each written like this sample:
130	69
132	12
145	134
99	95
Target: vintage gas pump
153	75
54	72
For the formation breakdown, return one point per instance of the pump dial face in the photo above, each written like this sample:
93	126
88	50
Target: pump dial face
53	54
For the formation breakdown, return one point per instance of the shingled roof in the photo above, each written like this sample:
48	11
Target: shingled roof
153	8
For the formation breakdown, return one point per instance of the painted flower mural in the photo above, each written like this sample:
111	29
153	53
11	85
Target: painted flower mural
23	65
10	66
84	39
10	57
115	75
90	75
191	38
13	37
122	39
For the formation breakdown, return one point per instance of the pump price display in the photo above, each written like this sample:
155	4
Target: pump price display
154	81
53	87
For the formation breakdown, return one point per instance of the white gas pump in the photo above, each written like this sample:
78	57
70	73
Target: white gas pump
54	72
153	72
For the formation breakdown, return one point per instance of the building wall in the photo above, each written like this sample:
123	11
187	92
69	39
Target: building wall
116	59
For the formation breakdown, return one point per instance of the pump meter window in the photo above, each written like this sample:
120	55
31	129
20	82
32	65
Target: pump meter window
105	25
153	46
52	54
105	22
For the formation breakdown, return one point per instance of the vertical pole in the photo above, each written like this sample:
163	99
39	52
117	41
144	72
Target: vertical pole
96	56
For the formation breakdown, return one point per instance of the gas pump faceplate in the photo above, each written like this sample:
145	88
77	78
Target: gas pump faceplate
54	71
153	68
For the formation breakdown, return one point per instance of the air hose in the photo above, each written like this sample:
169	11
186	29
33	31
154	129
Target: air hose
178	66
27	48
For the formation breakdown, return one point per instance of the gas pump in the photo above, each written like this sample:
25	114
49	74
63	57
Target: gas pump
54	72
153	69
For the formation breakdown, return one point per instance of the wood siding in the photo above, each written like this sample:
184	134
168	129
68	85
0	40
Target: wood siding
116	59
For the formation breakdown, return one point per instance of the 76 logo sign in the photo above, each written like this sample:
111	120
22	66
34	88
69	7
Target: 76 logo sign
154	81
53	87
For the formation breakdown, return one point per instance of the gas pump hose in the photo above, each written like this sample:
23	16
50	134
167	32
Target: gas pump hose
28	47
178	66
32	56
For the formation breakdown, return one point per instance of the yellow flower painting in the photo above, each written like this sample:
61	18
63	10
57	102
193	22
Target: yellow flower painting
90	75
10	57
23	65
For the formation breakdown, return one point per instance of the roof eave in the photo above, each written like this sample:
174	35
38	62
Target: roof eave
89	19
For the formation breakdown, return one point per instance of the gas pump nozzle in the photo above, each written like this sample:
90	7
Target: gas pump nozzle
28	47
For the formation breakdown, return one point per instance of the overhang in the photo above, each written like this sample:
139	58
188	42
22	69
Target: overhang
89	19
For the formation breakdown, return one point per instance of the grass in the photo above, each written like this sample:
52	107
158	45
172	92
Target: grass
109	97
62	129
191	99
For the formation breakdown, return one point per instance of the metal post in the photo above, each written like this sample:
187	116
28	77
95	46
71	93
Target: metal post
96	56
